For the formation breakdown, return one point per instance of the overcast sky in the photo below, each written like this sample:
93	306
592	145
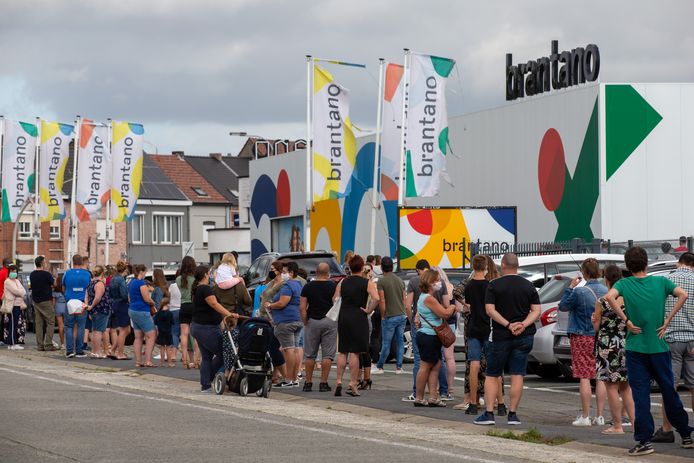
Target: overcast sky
191	71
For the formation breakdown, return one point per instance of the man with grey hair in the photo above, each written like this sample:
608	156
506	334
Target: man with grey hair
513	305
319	330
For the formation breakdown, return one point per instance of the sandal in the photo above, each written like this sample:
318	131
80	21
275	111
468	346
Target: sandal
92	355
612	431
421	403
351	390
123	358
149	365
436	403
139	365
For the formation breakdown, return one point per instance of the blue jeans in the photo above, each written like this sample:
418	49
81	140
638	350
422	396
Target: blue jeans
642	368
70	341
392	326
443	381
176	328
209	338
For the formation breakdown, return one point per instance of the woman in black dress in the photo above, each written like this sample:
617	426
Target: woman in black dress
352	323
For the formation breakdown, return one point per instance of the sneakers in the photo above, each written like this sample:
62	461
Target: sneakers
501	410
308	387
513	419
295	384
687	443
70	355
15	347
661	436
283	384
409	398
206	391
324	387
471	409
645	448
626	422
80	355
377	371
599	421
446	397
485	419
399	371
581	421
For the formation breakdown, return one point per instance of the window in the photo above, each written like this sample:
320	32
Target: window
166	229
24	230
236	219
138	229
206	227
54	230
101	225
199	191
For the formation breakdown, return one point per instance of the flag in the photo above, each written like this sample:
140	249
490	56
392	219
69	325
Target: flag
93	170
18	157
55	151
334	145
426	134
127	157
391	131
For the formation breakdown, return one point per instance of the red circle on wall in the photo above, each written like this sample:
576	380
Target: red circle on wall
284	196
421	221
551	169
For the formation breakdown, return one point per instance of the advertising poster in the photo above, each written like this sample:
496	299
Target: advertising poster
288	234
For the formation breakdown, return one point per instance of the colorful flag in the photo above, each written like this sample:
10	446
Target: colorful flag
55	151
127	156
391	131
93	170
18	156
426	134
334	145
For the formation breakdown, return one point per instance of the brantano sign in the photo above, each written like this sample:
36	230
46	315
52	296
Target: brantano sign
578	66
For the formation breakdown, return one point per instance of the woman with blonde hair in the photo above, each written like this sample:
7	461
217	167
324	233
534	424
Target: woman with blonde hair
184	282
97	301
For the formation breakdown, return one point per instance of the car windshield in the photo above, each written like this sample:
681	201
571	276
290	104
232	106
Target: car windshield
553	290
309	263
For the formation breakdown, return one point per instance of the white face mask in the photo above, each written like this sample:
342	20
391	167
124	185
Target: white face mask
437	286
285	276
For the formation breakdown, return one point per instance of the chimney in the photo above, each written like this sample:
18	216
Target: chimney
178	154
216	156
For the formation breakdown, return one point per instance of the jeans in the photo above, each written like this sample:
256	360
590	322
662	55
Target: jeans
443	381
70	342
392	326
176	327
642	368
209	338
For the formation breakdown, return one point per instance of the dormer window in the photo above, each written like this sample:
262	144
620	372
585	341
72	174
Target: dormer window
199	191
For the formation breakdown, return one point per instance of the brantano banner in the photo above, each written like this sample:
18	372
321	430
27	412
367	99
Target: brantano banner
444	236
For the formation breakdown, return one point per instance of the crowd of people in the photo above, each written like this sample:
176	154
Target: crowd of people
626	328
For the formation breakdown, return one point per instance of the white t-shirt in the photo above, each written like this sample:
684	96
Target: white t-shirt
224	273
174	297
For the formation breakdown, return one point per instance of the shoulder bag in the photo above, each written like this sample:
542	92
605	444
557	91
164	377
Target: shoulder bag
334	312
443	332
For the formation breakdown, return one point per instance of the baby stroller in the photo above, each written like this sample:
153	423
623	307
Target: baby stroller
247	362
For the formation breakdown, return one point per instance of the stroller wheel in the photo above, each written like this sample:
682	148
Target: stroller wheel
265	392
219	383
243	386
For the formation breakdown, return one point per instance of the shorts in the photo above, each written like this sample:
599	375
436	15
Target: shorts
120	316
476	348
141	321
99	321
60	309
683	362
288	334
429	347
320	333
583	363
512	353
186	315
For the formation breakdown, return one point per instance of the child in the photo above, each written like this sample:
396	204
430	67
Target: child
227	273
164	321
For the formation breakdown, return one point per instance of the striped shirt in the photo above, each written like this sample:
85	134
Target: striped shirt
681	328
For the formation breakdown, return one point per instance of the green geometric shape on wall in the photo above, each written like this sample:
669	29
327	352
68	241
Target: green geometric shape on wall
628	121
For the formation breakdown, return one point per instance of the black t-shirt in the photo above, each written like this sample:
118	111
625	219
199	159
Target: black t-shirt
512	295
319	295
203	314
41	285
475	292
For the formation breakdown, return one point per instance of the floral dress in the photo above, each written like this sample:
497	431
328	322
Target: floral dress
609	346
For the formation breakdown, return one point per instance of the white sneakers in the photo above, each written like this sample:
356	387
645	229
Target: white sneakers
581	421
377	371
599	421
16	347
399	371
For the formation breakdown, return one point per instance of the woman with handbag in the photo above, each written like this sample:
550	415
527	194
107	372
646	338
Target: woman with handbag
433	334
140	313
13	307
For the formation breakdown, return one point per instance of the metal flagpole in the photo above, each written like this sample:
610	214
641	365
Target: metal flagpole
375	191
405	101
37	221
108	203
309	153
72	243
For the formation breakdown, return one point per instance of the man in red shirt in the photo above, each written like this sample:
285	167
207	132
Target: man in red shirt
683	245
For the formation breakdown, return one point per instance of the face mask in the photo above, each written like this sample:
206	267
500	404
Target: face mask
271	275
13	275
437	286
285	276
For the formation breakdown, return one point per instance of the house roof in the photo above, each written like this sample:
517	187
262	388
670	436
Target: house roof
283	146
188	180
222	172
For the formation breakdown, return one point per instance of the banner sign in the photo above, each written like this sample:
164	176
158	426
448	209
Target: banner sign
18	157
426	134
55	151
391	131
93	170
127	157
334	144
443	236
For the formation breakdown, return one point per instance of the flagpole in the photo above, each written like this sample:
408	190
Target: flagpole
309	153
108	203
375	190
72	243
37	222
405	101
